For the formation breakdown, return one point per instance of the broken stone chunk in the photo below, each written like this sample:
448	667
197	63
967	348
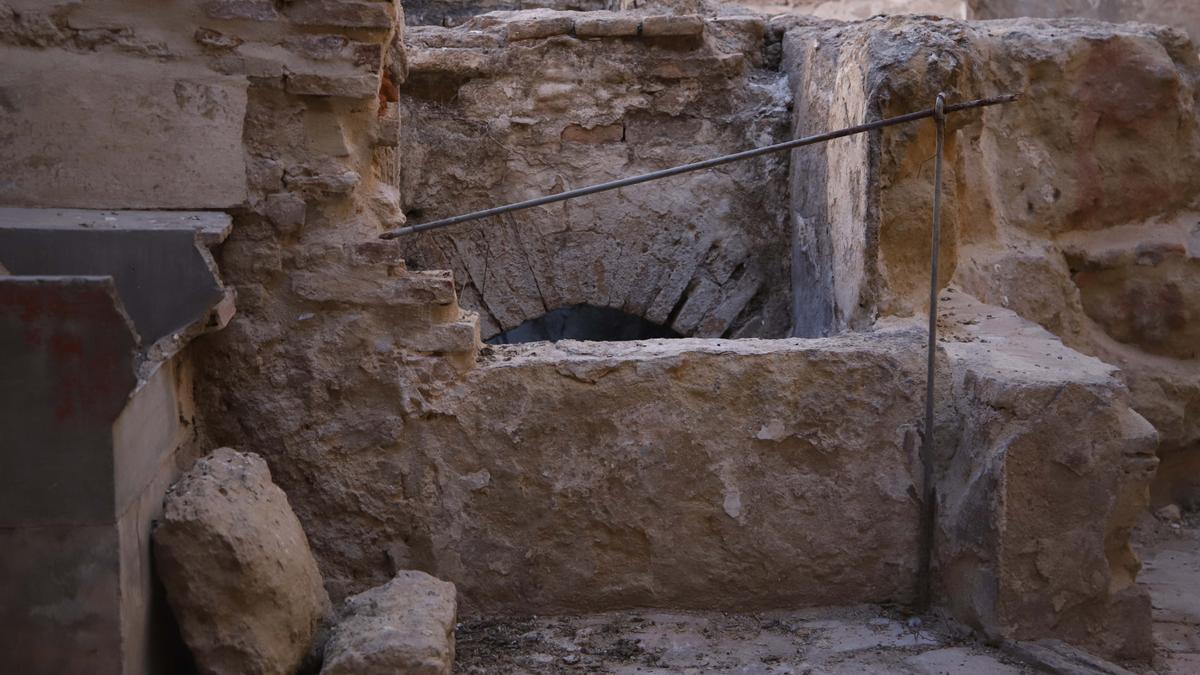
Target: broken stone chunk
403	626
237	568
286	210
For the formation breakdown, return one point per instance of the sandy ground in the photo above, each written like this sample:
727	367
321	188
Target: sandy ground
1170	552
837	640
864	639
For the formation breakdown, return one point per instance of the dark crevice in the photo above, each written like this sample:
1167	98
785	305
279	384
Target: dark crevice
583	322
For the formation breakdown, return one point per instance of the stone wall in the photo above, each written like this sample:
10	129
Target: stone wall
1075	206
535	103
454	12
707	474
1182	14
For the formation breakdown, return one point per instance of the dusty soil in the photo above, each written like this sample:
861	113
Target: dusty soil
860	639
1170	551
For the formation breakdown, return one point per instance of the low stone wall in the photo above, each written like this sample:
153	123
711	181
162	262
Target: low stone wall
671	473
1075	207
1047	473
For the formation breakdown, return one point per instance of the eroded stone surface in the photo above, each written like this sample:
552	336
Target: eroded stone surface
238	571
532	110
1075	206
1041	488
404	626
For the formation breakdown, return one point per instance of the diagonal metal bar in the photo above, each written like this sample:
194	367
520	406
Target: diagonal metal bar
697	166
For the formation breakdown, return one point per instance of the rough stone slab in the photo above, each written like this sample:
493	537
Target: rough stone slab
211	227
405	626
413	288
346	86
539	27
247	10
111	131
578	495
672	26
1050	471
588	26
359	14
238	571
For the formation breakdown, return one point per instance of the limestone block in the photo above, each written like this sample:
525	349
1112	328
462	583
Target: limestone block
251	10
238	571
1036	503
361	14
603	26
404	626
539	27
672	26
359	85
111	131
567	491
330	179
414	288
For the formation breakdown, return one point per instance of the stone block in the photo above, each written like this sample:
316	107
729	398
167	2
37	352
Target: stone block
404	626
331	180
1036	503
359	85
412	289
608	133
539	27
727	507
286	211
359	14
456	337
248	10
587	26
151	135
238	571
672	26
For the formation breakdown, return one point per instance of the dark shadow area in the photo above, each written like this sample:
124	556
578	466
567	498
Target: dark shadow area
583	322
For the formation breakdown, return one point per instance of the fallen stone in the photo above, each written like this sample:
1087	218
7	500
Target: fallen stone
237	568
403	626
1169	514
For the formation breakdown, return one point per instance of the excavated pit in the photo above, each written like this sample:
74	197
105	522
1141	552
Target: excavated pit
700	395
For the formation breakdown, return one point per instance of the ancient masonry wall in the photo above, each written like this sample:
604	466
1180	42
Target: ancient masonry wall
511	107
1076	207
361	381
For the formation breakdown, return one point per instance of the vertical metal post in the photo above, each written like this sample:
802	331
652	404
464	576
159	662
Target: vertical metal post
929	492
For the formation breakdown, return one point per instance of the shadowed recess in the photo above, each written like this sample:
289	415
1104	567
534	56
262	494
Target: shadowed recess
583	322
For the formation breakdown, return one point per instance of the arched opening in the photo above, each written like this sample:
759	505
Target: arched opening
583	322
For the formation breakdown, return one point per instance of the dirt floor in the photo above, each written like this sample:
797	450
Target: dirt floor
1170	551
837	640
865	639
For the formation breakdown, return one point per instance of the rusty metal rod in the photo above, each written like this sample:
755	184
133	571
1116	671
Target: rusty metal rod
697	166
928	459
